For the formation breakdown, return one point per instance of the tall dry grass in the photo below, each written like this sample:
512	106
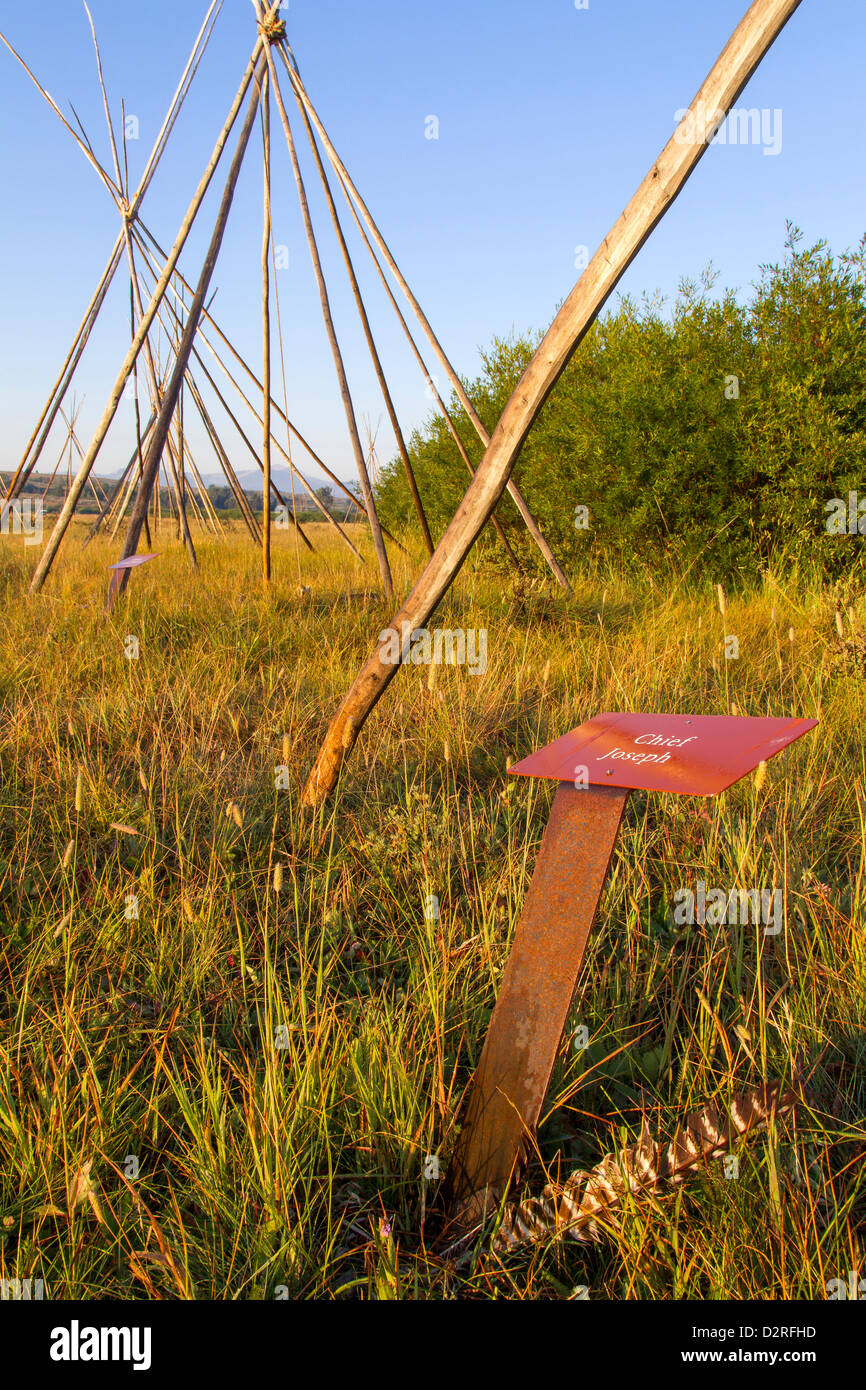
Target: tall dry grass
235	1093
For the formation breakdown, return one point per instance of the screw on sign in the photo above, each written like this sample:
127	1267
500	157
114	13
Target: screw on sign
694	755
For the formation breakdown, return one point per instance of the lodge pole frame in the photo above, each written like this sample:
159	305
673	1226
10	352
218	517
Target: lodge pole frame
336	353
47	557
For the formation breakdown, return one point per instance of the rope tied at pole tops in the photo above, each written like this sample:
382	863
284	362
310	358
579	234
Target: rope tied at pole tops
272	28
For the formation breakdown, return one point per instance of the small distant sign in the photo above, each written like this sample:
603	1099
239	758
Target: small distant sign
131	562
695	755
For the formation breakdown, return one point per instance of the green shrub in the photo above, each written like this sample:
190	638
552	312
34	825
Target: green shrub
716	431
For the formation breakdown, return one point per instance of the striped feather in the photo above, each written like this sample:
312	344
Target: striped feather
577	1208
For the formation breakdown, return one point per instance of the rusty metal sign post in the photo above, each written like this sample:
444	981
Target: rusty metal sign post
597	766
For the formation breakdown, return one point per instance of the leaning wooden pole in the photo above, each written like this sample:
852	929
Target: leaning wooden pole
369	501
45	423
457	385
175	478
443	409
225	463
209	511
47	558
276	409
752	38
274	490
121	183
169	401
108	505
266	337
259	420
173	337
137	405
368	334
120	509
67	371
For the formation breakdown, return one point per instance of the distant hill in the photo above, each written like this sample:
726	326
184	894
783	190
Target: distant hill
218	491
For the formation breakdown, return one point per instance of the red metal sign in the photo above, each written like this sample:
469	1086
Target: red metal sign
697	754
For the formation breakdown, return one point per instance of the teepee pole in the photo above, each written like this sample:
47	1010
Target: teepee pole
135	400
443	409
209	510
108	505
277	410
368	334
452	428
204	505
63	449
174	486
201	517
175	481
161	428
120	184
348	185
741	56
173	336
54	540
182	445
275	442
75	443
266	335
230	475
295	471
170	493
181	448
140	232
218	450
378	542
275	407
76	351
120	510
189	501
274	490
175	477
31	457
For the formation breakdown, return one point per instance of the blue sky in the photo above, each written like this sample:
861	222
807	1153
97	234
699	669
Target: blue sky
549	117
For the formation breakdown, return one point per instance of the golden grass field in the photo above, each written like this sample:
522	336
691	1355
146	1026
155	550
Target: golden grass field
233	1094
